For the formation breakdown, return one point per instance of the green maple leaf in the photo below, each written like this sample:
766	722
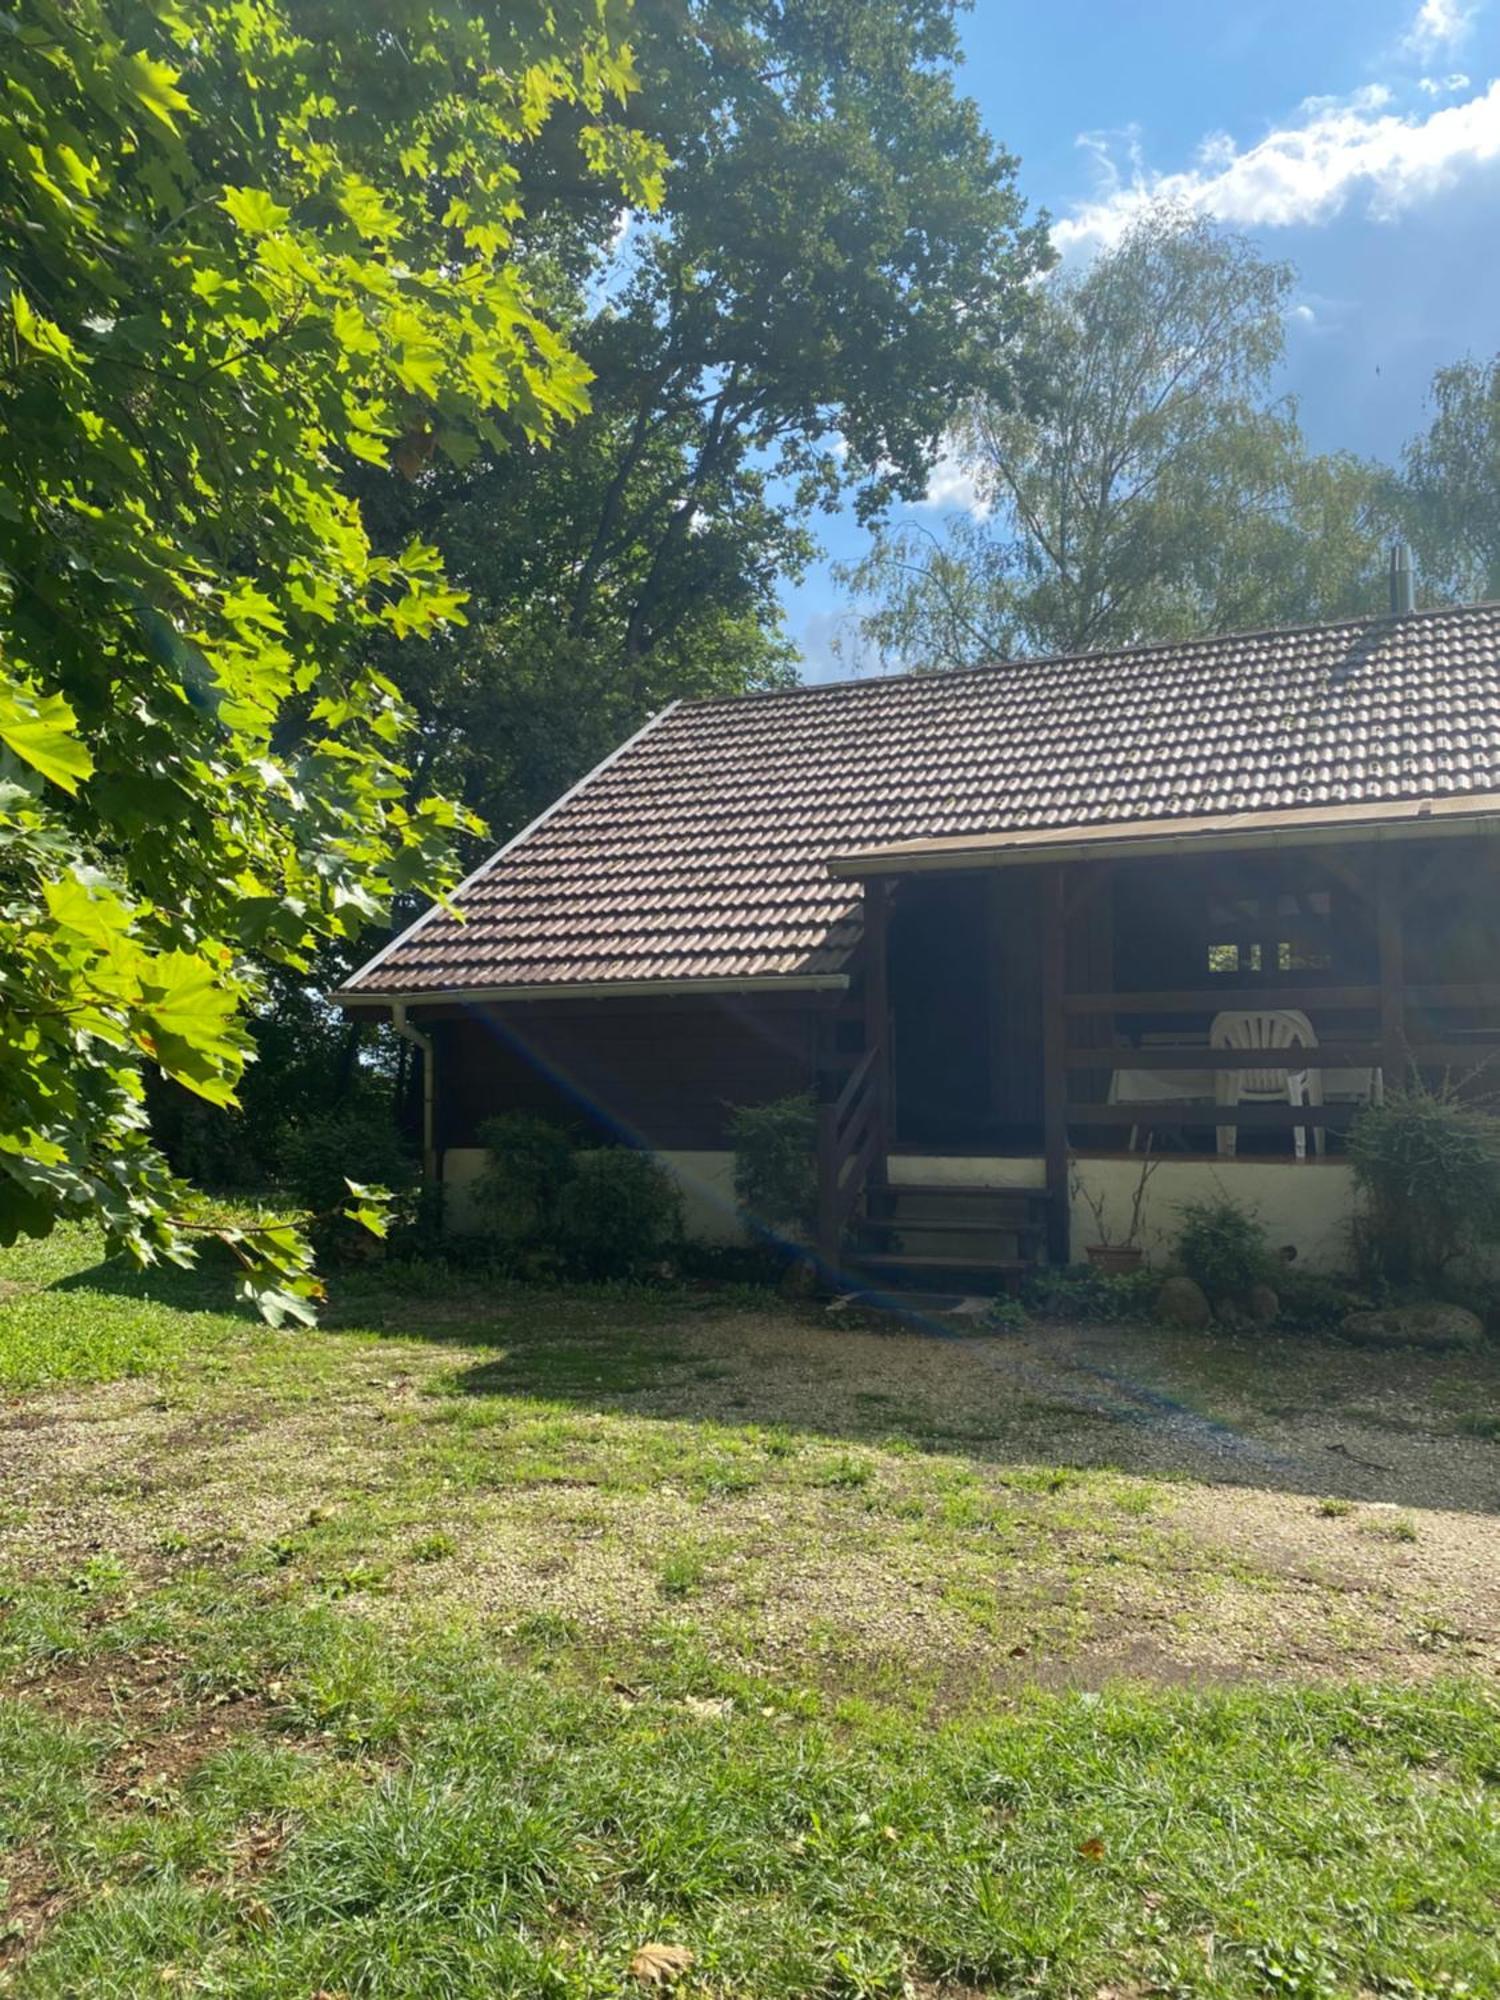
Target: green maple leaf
153	85
39	730
254	211
187	1014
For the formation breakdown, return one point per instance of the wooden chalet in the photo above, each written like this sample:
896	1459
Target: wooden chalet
1011	927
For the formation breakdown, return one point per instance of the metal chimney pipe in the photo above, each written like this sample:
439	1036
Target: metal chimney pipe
1403	584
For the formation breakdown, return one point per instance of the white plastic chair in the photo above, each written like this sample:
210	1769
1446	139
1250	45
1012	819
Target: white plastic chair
1276	1028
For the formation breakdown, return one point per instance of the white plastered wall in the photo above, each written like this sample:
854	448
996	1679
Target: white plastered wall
461	1167
1304	1207
1307	1207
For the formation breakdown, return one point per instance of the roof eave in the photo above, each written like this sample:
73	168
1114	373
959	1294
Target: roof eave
1298	827
599	989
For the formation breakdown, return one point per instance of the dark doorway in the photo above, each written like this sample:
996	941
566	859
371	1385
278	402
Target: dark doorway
966	1012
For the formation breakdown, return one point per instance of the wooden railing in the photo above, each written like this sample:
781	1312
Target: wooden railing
1213	1000
1398	1034
851	1143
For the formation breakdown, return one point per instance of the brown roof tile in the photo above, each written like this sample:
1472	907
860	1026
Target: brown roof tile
701	849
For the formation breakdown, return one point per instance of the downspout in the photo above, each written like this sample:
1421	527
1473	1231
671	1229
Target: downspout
423	1042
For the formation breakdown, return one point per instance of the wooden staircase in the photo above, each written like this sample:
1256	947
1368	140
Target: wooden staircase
945	1236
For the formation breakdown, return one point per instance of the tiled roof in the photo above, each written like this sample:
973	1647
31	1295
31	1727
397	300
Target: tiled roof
701	850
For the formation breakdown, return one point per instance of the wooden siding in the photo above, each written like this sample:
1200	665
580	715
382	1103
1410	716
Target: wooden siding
661	1073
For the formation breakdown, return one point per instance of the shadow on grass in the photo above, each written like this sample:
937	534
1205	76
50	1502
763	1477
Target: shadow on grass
208	1286
1292	1414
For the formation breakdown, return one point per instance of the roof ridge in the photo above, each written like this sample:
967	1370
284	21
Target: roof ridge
947	675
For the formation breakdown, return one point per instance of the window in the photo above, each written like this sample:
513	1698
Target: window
1302	958
1234	958
1281	931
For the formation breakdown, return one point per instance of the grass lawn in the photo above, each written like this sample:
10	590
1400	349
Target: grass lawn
483	1639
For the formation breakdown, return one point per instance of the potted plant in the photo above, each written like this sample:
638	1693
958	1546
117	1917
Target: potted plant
1116	1256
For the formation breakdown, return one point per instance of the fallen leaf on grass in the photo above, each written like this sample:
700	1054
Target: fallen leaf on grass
1092	1850
660	1964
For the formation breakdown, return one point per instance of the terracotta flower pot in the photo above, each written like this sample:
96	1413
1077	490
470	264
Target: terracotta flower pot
1117	1260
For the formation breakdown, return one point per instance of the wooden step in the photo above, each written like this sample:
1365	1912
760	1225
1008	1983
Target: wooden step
981	1214
973	1235
951	1227
952	1219
890	1260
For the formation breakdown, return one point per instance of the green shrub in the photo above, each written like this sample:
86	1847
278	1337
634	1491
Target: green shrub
1079	1292
531	1161
321	1153
1310	1303
1223	1248
1428	1166
617	1214
418	1229
775	1163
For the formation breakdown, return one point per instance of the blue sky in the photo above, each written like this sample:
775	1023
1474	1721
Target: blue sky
1361	142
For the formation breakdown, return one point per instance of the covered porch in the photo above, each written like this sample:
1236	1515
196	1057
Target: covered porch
1032	1009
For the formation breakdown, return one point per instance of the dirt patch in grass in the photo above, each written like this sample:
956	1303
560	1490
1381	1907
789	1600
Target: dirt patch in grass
1389	1580
123	1469
152	1739
34	1897
1063	1506
161	1736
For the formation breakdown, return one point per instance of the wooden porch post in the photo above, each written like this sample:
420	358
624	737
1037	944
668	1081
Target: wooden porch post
1391	945
878	1013
826	1092
1054	1072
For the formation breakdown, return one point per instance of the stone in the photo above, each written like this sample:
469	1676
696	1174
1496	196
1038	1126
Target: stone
1262	1305
1182	1302
1431	1325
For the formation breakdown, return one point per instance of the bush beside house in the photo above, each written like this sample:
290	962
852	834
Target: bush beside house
1427	1165
556	1207
775	1165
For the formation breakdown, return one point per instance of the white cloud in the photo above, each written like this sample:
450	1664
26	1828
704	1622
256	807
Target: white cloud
1339	151
1439	25
951	485
1443	86
833	647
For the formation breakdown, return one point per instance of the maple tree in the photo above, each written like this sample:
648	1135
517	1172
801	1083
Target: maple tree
244	248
